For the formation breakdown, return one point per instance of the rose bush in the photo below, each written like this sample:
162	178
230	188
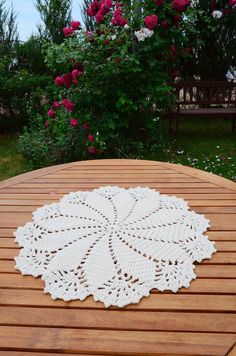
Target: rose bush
113	83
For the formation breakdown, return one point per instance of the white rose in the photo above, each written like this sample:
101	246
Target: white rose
126	27
217	14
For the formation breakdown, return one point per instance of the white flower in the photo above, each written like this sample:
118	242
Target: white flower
217	14
113	37
143	33
126	27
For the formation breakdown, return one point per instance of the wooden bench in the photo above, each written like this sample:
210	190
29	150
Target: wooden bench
205	99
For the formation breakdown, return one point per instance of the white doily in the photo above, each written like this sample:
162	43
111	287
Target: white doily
116	244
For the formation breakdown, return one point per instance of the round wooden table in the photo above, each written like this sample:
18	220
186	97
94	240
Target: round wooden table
200	320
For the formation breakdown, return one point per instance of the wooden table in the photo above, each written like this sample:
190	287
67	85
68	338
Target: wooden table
200	320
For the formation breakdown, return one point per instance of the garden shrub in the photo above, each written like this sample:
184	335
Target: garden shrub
113	84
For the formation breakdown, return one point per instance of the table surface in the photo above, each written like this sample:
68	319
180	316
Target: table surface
200	320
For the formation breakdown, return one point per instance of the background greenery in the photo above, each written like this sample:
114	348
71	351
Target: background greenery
205	144
121	115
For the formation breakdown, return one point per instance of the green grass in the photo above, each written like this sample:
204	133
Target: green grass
11	162
207	144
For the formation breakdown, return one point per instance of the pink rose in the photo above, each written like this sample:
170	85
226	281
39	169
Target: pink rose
92	149
118	19
68	105
86	126
99	17
56	105
51	113
93	8
59	81
68	31
76	73
151	21
75	25
91	138
165	24
74	122
180	5
67	79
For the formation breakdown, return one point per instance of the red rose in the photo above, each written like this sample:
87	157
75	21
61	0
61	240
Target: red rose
176	20
46	124
91	138
165	24
59	81
99	17
92	149
76	73
68	105
75	25
232	2
56	105
67	79
159	2
51	113
74	122
86	126
180	5
151	21
93	8
68	31
118	19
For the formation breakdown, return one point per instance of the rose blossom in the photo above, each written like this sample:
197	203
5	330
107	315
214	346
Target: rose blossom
151	21
56	104
217	14
59	81
91	138
165	24
51	113
68	105
176	20
93	8
86	126
74	122
99	17
46	124
91	149
180	5
67	79
68	31
75	25
76	73
159	2
143	33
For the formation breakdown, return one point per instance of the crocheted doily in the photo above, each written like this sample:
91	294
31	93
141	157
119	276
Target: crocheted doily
116	244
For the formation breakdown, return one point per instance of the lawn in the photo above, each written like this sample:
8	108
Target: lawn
205	144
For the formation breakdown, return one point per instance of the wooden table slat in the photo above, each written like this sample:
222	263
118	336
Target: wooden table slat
200	320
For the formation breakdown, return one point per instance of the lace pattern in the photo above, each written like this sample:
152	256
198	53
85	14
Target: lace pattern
113	243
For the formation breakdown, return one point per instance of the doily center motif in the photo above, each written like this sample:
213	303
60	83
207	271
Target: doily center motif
113	243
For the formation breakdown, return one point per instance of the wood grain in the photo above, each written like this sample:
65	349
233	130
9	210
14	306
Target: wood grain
200	320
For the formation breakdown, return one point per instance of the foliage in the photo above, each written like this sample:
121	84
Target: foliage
55	15
212	33
114	83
